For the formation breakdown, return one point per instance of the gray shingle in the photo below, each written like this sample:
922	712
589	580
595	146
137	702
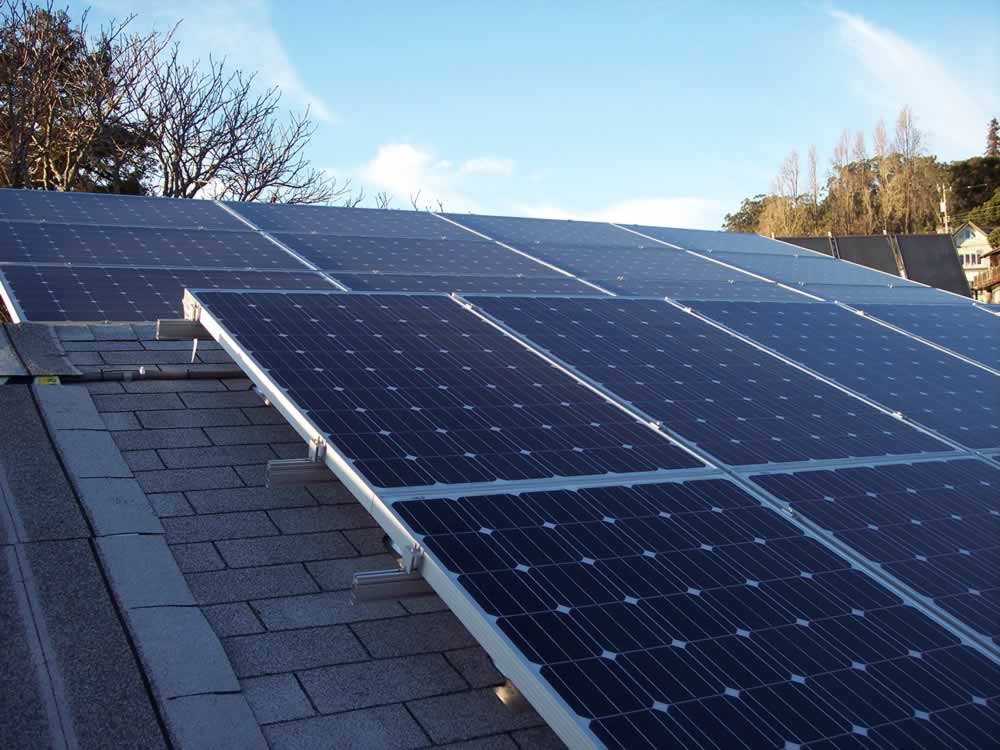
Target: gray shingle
85	358
225	399
367	541
255	475
249	434
197	557
138	402
232	619
67	407
223	586
142	571
352	686
103	387
214	357
248	498
475	665
419	605
463	716
180	345
154	420
231	455
182	480
213	722
270	653
276	698
335	575
167	504
331	493
321	518
90	454
220	526
415	634
117	506
142	460
180	651
538	738
367	729
493	742
153	439
74	333
264	415
243	553
314	610
173	386
148	358
102	346
120	420
112	332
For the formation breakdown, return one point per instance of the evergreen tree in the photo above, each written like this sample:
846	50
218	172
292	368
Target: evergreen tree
993	138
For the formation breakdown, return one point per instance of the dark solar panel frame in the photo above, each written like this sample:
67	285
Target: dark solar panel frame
448	283
858	294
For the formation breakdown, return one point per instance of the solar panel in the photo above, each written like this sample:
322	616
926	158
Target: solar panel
50	206
681	289
351	222
816	244
688	615
715	242
385	282
933	388
732	400
852	294
80	293
415	390
935	526
408	255
136	246
932	259
962	328
525	234
807	269
871	251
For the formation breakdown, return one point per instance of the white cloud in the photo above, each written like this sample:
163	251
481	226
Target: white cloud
899	73
241	32
691	213
403	170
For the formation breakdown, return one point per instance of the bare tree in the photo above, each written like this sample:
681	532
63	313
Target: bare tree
382	200
353	200
813	176
908	146
213	133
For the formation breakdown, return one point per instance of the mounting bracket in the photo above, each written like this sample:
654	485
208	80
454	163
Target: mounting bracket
399	583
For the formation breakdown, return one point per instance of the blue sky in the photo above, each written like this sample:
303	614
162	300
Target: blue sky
664	113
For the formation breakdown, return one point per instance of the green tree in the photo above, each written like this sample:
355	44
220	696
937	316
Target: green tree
973	181
993	138
994	239
746	218
988	214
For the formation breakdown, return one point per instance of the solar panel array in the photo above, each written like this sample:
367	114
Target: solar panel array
743	516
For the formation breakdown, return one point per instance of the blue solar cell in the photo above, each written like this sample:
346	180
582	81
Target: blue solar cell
418	391
933	388
855	294
50	206
934	525
680	289
134	246
736	402
688	614
525	234
807	269
722	242
351	222
409	255
385	282
962	328
55	293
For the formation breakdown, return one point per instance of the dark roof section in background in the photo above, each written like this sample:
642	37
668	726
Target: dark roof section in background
931	259
873	251
816	244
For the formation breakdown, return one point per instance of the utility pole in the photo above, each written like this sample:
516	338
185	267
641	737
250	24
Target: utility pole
943	190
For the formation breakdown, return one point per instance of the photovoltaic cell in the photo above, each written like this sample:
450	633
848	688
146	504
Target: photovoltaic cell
871	251
409	255
933	388
734	401
934	525
418	391
816	244
385	282
57	294
699	290
807	269
52	206
688	615
855	294
350	222
525	234
961	328
716	242
135	246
